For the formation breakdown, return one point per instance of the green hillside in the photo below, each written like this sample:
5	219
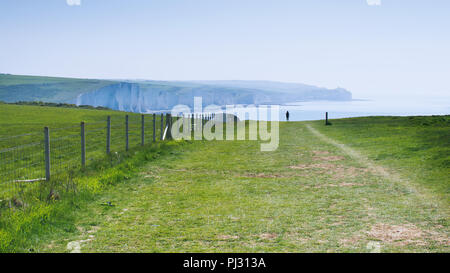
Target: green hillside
22	119
50	89
417	147
360	185
144	96
22	141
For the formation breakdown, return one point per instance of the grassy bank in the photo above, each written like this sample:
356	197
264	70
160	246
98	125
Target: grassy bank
416	147
51	89
220	196
25	229
22	141
28	210
24	119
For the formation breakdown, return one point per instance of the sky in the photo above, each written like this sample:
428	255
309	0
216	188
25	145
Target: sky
370	47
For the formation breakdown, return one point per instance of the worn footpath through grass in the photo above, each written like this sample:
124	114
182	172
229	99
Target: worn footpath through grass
222	196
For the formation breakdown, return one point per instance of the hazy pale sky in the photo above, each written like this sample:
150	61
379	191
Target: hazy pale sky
371	47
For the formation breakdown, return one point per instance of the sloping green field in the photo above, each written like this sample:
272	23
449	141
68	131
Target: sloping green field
23	119
25	206
418	148
360	185
308	196
22	143
49	89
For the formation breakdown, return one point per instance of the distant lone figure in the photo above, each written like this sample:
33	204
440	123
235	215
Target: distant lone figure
287	115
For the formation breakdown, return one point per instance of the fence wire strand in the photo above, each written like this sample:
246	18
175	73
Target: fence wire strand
22	157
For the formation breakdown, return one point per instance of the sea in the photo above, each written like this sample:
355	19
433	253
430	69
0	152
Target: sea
315	110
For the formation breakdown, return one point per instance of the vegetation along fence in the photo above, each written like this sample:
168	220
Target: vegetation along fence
53	153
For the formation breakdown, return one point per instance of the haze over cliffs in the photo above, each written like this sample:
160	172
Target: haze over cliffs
146	96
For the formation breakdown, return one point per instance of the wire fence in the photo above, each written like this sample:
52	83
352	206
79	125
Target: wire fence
47	158
29	160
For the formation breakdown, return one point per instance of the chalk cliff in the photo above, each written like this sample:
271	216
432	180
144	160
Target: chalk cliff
139	97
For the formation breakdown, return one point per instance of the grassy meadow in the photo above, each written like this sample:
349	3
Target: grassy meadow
51	89
24	119
361	185
416	147
22	153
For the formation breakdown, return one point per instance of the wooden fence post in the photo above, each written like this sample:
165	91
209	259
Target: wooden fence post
162	126
326	118
126	134
154	127
108	135
83	145
167	122
47	153
169	126
142	130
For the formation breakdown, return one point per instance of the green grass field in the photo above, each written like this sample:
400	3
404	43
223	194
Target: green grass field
50	89
360	185
23	119
22	158
22	142
418	148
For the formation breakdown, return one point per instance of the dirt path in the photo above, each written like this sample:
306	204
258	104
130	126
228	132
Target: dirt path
311	195
376	169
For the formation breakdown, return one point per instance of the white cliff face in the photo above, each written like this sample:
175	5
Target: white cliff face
142	98
121	96
133	97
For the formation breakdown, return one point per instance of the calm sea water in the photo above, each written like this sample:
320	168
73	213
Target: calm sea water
315	110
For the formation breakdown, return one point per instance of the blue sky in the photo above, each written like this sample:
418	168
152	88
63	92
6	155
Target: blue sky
395	48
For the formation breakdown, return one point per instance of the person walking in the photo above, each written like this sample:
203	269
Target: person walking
287	115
